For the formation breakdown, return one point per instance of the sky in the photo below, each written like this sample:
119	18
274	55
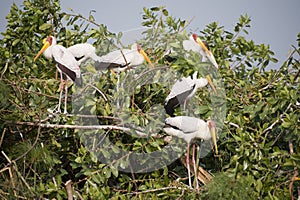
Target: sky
274	22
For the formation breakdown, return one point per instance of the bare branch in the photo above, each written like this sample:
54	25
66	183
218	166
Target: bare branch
2	136
88	127
155	190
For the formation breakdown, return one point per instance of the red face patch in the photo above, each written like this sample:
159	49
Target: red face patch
195	36
50	39
138	47
211	124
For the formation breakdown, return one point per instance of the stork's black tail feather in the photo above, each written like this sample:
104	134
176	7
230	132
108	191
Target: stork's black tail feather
170	106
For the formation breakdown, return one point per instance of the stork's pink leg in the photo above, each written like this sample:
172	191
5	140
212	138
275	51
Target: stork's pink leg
195	166
66	97
188	165
61	86
184	104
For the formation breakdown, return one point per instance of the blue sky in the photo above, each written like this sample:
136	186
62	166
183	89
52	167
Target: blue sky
274	22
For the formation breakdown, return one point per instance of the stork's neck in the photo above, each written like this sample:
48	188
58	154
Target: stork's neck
48	52
205	133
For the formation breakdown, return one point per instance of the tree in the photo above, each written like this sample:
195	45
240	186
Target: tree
40	151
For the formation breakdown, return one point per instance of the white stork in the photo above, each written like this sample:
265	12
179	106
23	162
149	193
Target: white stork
195	44
121	60
189	128
183	90
65	63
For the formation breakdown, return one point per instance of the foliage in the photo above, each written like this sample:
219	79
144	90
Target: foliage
259	141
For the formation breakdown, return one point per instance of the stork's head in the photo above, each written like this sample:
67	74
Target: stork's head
143	53
212	130
202	44
50	40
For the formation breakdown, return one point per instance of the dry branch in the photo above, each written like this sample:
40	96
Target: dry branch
83	127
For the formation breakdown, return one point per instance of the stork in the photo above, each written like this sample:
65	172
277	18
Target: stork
189	128
197	45
65	63
183	90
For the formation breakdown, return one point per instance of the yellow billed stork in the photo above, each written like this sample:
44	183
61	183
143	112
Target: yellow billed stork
197	45
65	63
189	128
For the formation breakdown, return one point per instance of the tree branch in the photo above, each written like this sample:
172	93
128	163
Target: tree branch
83	127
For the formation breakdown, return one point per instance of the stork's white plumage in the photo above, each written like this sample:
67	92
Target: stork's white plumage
189	128
83	51
197	45
123	59
182	91
65	63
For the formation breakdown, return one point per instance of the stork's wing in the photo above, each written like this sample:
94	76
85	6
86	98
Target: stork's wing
184	123
181	87
62	56
115	59
66	63
172	103
108	65
83	51
121	57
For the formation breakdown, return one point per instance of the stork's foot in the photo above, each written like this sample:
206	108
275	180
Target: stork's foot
58	111
55	110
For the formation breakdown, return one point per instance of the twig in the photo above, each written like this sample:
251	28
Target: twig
185	26
233	124
294	177
94	116
296	49
84	18
98	91
271	127
68	186
280	118
10	173
155	190
79	195
34	143
2	136
4	70
17	171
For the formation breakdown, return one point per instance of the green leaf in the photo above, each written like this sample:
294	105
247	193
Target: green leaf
165	12
15	42
154	8
45	26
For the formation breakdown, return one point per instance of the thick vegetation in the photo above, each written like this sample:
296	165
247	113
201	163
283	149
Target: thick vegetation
257	112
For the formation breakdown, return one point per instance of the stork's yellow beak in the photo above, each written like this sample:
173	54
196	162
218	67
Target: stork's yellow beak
214	138
143	53
46	45
211	83
199	41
